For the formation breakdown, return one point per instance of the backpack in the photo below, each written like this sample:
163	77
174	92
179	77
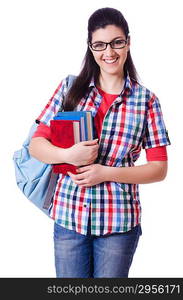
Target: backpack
34	178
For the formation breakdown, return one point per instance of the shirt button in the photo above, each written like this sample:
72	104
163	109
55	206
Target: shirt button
85	205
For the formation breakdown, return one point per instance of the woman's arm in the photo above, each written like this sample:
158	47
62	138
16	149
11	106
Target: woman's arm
82	153
43	150
150	172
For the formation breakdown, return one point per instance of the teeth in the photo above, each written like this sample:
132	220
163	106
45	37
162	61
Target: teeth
110	61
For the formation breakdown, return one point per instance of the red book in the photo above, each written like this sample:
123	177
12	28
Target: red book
63	135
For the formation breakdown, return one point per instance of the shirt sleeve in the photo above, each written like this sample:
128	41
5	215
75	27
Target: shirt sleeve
157	154
43	131
156	134
54	104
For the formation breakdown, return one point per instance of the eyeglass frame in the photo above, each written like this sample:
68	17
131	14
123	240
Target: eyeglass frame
110	43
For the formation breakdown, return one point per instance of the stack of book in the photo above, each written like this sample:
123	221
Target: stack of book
68	128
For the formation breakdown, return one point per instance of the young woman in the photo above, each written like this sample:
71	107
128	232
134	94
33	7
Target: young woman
97	212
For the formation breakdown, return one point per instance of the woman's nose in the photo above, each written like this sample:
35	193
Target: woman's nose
109	51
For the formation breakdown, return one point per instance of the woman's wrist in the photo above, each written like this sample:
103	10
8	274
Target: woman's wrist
105	173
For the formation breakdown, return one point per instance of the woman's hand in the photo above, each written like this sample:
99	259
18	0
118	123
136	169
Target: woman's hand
88	175
83	153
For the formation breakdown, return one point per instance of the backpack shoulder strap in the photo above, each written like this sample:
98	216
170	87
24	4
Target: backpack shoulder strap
69	81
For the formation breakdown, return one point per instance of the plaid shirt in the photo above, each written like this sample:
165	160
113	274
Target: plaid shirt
133	121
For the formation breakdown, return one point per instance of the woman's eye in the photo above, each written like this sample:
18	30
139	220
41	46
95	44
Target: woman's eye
98	45
119	42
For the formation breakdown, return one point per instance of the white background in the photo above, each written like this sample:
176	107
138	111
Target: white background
35	56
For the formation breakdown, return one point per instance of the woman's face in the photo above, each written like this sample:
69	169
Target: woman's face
110	61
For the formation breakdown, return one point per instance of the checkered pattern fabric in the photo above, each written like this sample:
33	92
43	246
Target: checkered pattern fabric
133	121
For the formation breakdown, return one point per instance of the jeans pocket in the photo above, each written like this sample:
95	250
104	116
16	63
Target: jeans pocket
59	231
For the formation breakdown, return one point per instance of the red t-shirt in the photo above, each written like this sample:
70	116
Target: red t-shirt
152	154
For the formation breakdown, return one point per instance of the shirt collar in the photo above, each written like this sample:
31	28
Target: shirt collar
92	82
127	87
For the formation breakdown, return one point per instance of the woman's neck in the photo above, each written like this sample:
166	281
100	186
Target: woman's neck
111	84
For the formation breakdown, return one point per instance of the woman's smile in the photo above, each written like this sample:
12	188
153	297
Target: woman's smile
111	60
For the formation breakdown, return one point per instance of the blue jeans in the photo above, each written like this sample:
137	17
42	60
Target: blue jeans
90	256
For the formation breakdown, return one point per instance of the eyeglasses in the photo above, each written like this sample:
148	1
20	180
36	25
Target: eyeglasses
115	44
